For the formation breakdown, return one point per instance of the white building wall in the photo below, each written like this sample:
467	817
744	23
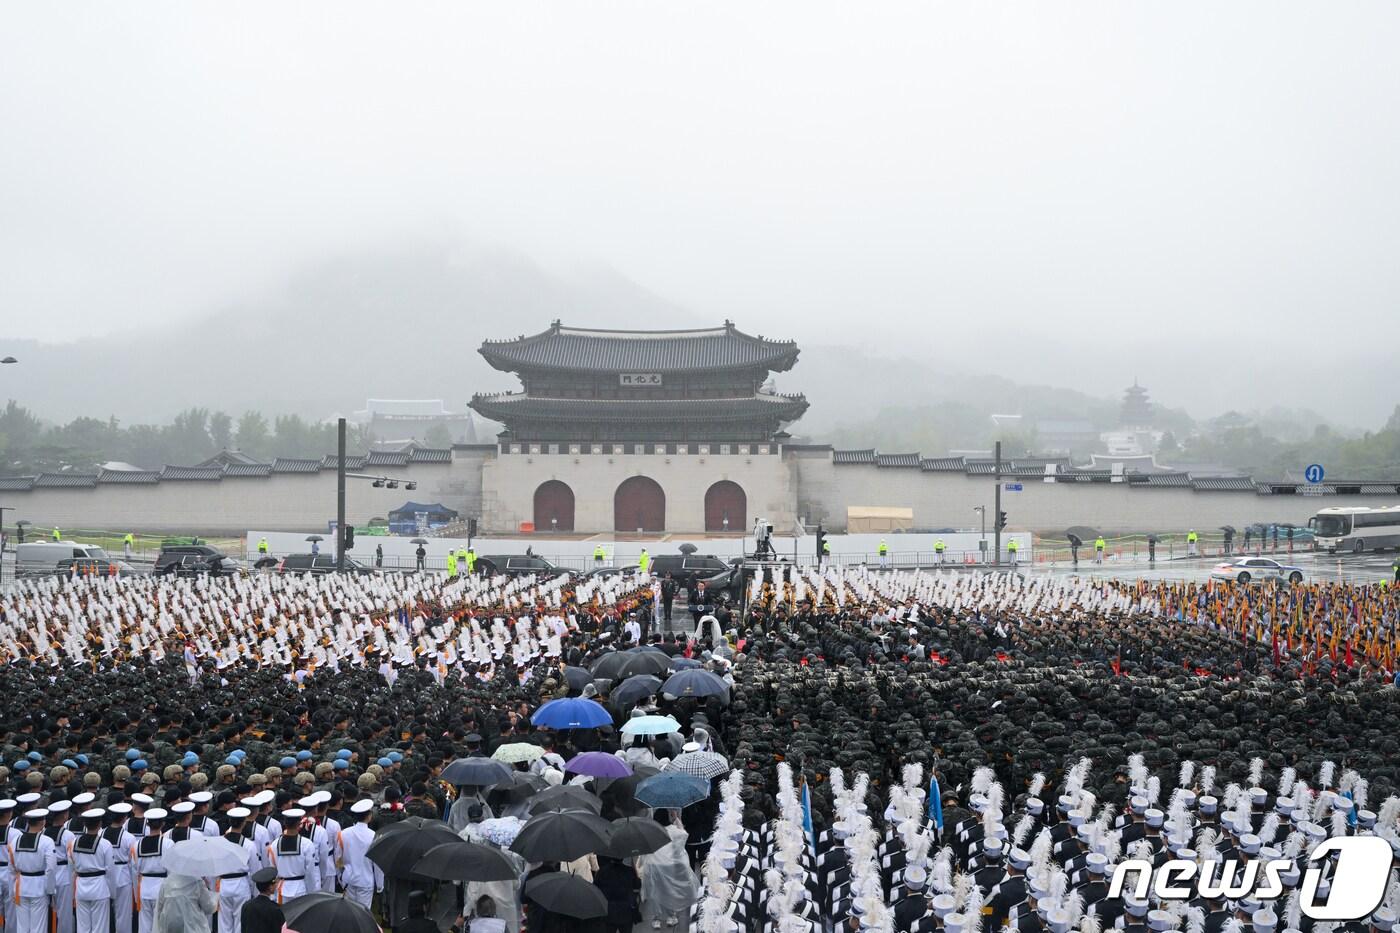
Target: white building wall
509	482
947	500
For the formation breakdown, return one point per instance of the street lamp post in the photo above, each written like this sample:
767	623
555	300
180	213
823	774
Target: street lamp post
982	542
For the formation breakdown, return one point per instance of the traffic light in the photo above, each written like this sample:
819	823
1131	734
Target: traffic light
1001	519
821	544
471	528
349	537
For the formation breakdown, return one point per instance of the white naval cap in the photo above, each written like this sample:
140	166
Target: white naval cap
239	813
156	813
362	806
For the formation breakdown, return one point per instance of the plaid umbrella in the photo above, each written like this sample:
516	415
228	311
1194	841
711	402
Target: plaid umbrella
705	765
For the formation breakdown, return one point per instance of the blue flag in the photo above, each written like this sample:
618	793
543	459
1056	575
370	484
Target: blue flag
935	803
807	818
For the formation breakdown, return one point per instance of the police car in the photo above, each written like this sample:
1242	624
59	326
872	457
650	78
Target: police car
1245	569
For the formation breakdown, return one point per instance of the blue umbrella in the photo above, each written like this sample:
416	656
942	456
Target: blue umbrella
684	664
571	713
695	683
650	725
672	790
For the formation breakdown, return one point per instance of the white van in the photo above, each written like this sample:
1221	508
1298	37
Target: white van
43	556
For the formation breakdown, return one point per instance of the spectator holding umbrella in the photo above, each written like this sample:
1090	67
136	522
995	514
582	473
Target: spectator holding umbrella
668	884
620	885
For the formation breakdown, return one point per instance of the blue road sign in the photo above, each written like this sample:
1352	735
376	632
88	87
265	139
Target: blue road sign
1013	487
1313	473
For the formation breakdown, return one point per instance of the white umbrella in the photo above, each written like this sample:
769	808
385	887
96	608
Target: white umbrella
205	857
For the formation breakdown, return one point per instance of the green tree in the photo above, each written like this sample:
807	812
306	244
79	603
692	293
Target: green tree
253	436
221	430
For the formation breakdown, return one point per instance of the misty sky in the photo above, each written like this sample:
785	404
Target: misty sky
1203	195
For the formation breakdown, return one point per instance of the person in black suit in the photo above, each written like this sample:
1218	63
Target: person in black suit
669	587
621	886
262	914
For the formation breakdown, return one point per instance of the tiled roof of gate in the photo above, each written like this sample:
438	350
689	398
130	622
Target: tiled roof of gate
660	351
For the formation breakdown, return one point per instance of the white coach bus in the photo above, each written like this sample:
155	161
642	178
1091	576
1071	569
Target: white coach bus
1356	529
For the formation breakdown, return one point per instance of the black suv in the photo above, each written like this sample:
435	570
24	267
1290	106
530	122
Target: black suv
516	565
172	556
318	563
689	569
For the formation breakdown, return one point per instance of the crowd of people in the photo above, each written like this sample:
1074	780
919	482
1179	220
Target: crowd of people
874	750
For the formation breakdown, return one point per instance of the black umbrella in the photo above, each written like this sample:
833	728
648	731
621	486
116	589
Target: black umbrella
577	677
561	837
634	689
418	541
1082	532
687	548
643	662
521	786
478	772
323	912
413	822
622	792
565	797
1074	540
1228	529
465	861
314	538
635	835
608	664
398	851
568	895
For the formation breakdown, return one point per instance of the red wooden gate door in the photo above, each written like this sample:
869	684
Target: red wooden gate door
639	504
726	507
554	507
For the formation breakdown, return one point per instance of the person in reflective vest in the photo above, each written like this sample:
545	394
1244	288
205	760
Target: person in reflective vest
471	561
452	563
56	535
598	554
1191	539
128	543
262	547
1099	545
938	548
643	561
1012	546
884	551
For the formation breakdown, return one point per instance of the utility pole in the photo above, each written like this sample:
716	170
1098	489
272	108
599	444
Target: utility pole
996	514
340	498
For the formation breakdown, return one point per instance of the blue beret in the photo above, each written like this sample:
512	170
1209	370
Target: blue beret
138	765
35	756
287	762
396	757
344	753
303	755
132	754
190	759
340	763
70	763
22	765
385	763
83	760
238	753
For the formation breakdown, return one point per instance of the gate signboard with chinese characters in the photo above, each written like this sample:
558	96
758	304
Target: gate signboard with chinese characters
639	379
